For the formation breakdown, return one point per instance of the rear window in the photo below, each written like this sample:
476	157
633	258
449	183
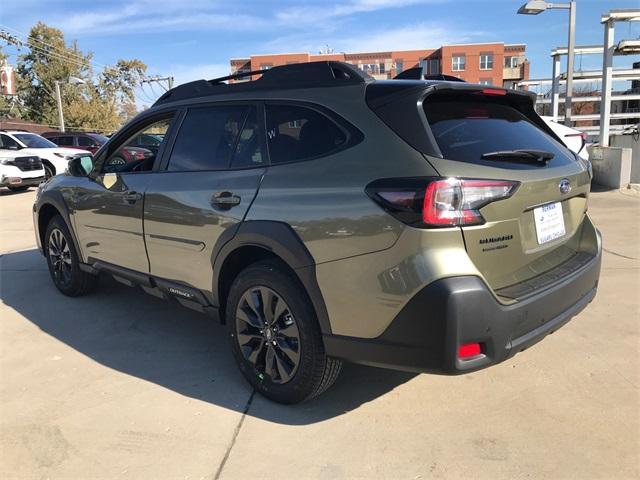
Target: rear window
465	130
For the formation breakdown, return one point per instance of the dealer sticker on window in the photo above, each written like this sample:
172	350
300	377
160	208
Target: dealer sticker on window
549	222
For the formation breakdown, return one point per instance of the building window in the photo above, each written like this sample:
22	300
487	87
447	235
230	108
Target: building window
458	63
511	62
382	67
266	66
486	61
486	81
399	66
434	66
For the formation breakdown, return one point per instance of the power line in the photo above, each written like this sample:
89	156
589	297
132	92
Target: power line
57	49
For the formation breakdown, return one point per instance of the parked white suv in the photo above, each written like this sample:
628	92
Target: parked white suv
54	158
19	171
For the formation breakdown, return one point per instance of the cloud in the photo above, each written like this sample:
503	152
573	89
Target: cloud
304	15
142	16
411	37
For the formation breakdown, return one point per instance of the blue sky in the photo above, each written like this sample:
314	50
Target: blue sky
193	39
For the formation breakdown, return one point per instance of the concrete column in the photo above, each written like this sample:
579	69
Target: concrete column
555	87
607	79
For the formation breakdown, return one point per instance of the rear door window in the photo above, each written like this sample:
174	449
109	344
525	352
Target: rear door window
207	138
465	130
297	133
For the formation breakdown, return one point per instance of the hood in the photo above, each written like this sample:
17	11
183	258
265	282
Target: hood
51	152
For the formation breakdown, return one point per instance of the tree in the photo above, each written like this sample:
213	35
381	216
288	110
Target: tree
101	103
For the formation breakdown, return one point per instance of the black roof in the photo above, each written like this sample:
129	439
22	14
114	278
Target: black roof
299	75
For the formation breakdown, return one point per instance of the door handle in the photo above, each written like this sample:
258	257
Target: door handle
131	196
225	200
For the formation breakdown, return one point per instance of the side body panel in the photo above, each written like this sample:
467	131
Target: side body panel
107	216
182	225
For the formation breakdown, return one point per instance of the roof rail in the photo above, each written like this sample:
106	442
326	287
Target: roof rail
298	75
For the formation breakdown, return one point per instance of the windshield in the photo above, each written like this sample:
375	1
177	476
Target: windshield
465	130
101	139
32	140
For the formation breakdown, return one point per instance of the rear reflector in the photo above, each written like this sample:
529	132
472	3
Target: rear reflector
469	350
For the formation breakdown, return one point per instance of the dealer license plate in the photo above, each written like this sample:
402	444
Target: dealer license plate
549	222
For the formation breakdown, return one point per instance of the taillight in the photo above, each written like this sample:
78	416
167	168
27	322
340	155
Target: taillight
439	202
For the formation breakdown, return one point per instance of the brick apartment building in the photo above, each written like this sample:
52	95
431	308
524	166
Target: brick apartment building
488	63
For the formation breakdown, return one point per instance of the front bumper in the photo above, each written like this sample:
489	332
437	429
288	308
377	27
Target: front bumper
14	181
426	334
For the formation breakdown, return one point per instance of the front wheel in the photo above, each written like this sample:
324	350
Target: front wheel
48	171
275	335
63	260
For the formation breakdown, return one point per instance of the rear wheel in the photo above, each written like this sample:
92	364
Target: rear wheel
275	335
63	260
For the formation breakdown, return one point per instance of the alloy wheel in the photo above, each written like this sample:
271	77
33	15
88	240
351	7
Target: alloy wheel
60	256
268	335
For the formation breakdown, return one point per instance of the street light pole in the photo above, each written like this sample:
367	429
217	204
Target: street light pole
59	101
570	57
535	7
71	81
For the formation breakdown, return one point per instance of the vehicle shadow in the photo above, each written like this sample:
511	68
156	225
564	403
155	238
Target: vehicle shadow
158	341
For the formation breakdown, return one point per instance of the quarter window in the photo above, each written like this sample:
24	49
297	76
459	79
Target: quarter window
486	61
434	66
458	63
316	135
207	138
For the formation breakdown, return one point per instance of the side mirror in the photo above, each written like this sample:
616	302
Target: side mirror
80	165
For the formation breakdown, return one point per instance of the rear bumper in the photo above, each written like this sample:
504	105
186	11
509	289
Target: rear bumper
426	334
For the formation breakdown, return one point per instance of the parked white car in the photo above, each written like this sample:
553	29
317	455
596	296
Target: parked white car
19	171
54	158
574	139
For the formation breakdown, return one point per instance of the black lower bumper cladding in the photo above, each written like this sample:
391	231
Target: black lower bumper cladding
426	334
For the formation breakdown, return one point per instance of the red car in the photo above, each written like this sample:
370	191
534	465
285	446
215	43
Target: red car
92	142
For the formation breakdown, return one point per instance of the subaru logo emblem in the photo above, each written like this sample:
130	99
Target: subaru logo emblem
565	186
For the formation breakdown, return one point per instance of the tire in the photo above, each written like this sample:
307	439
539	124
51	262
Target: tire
299	368
63	260
23	188
48	171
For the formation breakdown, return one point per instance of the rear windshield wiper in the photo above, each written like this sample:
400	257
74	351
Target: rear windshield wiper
537	156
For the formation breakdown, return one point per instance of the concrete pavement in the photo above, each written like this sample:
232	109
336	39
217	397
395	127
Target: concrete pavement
119	385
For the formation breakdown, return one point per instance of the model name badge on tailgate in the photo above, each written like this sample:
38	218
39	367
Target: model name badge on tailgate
502	238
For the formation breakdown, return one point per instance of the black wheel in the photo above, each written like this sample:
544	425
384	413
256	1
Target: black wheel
48	171
63	260
22	188
275	336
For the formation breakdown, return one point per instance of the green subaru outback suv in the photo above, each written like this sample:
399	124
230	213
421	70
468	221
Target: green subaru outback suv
429	226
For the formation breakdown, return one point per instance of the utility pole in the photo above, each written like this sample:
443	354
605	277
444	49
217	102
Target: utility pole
570	56
158	79
59	101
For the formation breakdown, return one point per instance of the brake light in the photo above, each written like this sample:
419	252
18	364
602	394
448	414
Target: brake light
456	202
439	202
493	91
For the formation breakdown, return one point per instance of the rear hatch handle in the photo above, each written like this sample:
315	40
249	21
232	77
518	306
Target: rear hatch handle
536	156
